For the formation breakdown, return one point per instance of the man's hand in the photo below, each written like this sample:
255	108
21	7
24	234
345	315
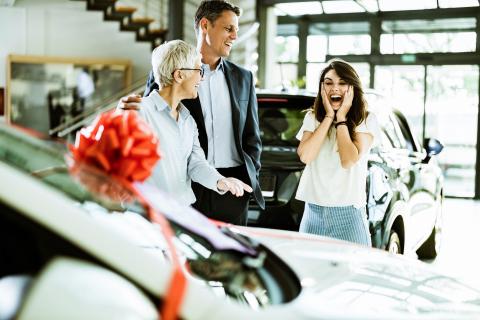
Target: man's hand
235	186
130	102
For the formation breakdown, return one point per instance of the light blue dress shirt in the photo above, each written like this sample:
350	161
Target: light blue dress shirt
183	160
217	113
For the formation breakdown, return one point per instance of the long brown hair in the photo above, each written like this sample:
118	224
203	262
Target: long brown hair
358	112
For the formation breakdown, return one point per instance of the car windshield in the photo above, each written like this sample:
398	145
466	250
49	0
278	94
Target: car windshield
233	272
281	118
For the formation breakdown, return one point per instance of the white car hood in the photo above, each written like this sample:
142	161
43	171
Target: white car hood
342	280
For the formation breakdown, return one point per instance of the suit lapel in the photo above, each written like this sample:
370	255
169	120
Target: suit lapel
230	76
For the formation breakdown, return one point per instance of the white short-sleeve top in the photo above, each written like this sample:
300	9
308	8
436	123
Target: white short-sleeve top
324	182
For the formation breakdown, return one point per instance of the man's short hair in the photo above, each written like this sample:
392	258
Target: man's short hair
170	56
212	9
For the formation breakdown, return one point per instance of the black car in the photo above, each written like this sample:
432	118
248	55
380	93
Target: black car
404	184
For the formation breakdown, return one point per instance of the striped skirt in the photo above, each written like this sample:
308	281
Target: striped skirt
345	223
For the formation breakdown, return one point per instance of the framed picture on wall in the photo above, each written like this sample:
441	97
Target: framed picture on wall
45	92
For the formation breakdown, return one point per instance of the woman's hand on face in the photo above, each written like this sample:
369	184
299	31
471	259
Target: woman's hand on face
346	104
326	103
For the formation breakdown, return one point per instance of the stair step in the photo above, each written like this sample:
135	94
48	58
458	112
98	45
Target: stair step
145	21
125	9
158	32
140	25
124	14
151	35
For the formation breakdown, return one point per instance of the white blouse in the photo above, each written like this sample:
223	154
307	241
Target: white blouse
324	182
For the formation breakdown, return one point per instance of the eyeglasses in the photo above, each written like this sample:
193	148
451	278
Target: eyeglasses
201	70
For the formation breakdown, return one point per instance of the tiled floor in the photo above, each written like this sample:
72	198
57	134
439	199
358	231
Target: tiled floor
460	253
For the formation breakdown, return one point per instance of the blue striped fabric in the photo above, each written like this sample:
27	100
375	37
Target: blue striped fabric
345	223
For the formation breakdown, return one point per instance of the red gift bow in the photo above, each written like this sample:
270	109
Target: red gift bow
120	144
123	145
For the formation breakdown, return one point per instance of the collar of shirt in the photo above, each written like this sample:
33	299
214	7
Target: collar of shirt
162	105
220	67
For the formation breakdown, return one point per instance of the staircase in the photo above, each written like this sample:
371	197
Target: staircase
129	20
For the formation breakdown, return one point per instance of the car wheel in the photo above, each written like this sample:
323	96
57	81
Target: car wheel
394	245
431	247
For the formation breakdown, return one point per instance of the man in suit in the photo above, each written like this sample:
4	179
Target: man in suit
225	111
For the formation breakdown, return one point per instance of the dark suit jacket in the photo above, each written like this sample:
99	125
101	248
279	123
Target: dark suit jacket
244	120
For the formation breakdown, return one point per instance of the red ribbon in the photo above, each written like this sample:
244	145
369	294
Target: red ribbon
120	144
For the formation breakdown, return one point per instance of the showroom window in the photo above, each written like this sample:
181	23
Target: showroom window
422	54
452	104
432	42
286	52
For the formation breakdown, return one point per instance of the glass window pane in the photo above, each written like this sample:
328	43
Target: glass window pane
363	70
386	43
430	42
349	44
404	84
338	28
369	5
436	25
286	49
313	76
341	6
285	30
316	48
457	3
452	104
299	8
399	5
284	74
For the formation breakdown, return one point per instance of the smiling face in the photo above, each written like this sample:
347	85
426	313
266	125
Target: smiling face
191	80
335	88
219	35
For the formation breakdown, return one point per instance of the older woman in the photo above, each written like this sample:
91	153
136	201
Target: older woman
177	70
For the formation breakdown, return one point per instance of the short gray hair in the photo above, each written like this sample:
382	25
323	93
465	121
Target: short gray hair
170	56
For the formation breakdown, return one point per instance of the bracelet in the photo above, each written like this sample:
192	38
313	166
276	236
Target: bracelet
327	116
340	123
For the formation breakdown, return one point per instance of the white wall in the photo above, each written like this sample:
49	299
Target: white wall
66	28
12	36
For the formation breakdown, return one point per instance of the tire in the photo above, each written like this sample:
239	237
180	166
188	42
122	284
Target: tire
394	245
430	248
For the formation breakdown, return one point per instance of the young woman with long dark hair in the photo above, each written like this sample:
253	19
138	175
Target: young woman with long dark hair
335	139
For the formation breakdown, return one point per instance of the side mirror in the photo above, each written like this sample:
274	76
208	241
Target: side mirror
68	288
433	147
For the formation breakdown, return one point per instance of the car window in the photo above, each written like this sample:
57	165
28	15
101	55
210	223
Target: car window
278	126
281	117
386	142
406	133
391	129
